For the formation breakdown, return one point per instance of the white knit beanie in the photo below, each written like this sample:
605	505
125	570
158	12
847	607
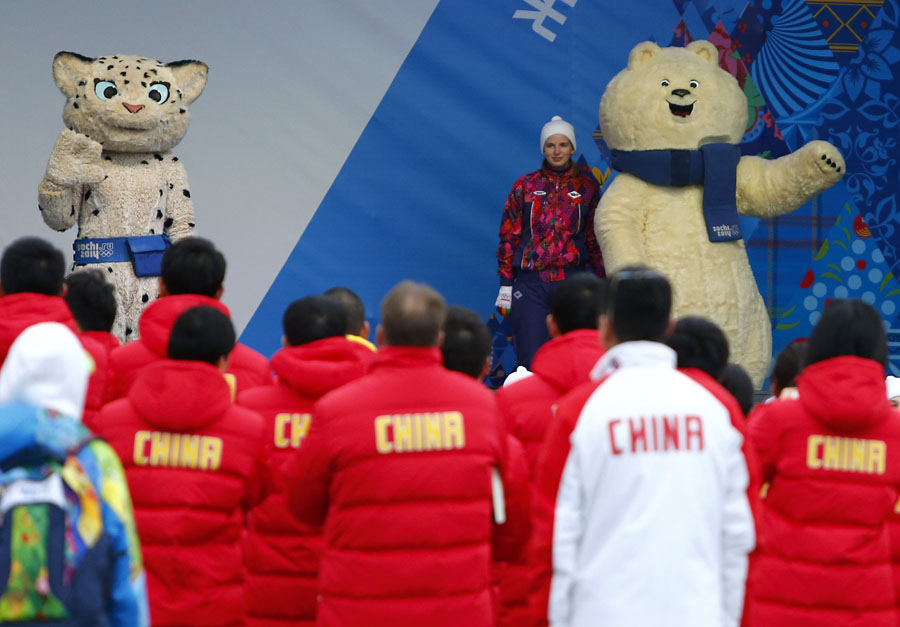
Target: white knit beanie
557	126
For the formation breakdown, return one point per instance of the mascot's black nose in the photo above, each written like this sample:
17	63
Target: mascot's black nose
680	92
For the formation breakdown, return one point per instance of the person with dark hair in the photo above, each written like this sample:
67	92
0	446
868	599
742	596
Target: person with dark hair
739	384
357	325
202	334
193	271
31	291
32	264
699	343
831	458
194	463
467	343
398	465
31	286
316	359
560	365
546	236
788	366
467	349
640	464
92	301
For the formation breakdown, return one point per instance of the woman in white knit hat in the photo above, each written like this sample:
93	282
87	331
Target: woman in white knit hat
546	234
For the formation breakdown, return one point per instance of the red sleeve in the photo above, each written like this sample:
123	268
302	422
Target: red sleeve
257	482
739	422
551	462
510	233
307	475
509	538
764	436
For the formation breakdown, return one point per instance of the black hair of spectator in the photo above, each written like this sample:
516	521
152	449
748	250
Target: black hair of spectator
313	318
788	365
736	380
467	342
32	264
848	327
412	314
639	304
201	334
92	300
193	265
699	343
578	302
353	306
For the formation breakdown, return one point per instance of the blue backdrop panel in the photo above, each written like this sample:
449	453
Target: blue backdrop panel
420	195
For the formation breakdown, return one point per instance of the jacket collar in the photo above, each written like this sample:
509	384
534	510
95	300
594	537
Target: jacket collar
639	354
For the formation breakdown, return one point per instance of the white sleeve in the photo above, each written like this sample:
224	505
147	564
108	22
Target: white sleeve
738	535
568	527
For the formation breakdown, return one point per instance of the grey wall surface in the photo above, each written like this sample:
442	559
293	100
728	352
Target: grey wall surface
291	86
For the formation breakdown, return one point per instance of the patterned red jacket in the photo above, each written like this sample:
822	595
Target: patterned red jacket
249	368
548	225
398	466
559	366
280	553
20	311
832	461
192	460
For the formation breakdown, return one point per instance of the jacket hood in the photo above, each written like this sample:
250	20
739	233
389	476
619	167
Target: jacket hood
174	394
566	361
46	367
18	311
159	317
845	393
314	369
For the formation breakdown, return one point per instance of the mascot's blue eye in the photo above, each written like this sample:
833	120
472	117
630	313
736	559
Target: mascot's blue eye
664	83
159	92
694	84
105	89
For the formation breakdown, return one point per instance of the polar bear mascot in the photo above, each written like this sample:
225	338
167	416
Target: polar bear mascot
673	120
112	174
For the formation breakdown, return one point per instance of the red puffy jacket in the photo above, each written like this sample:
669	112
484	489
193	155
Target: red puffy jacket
20	311
559	366
249	368
832	460
401	461
281	554
192	460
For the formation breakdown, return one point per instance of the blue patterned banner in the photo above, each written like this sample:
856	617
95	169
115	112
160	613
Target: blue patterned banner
421	193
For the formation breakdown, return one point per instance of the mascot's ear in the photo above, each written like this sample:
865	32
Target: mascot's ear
191	77
705	50
69	69
642	53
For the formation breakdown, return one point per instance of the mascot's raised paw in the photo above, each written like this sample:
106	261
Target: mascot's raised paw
827	158
75	160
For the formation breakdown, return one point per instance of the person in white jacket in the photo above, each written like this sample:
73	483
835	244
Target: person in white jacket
643	483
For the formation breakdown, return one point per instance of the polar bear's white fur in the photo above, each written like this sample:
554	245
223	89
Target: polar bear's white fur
664	227
111	172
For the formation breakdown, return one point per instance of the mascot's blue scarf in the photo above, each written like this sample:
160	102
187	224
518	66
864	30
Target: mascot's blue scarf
714	166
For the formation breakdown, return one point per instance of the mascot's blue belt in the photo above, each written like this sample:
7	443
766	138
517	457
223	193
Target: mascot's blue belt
144	252
714	166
